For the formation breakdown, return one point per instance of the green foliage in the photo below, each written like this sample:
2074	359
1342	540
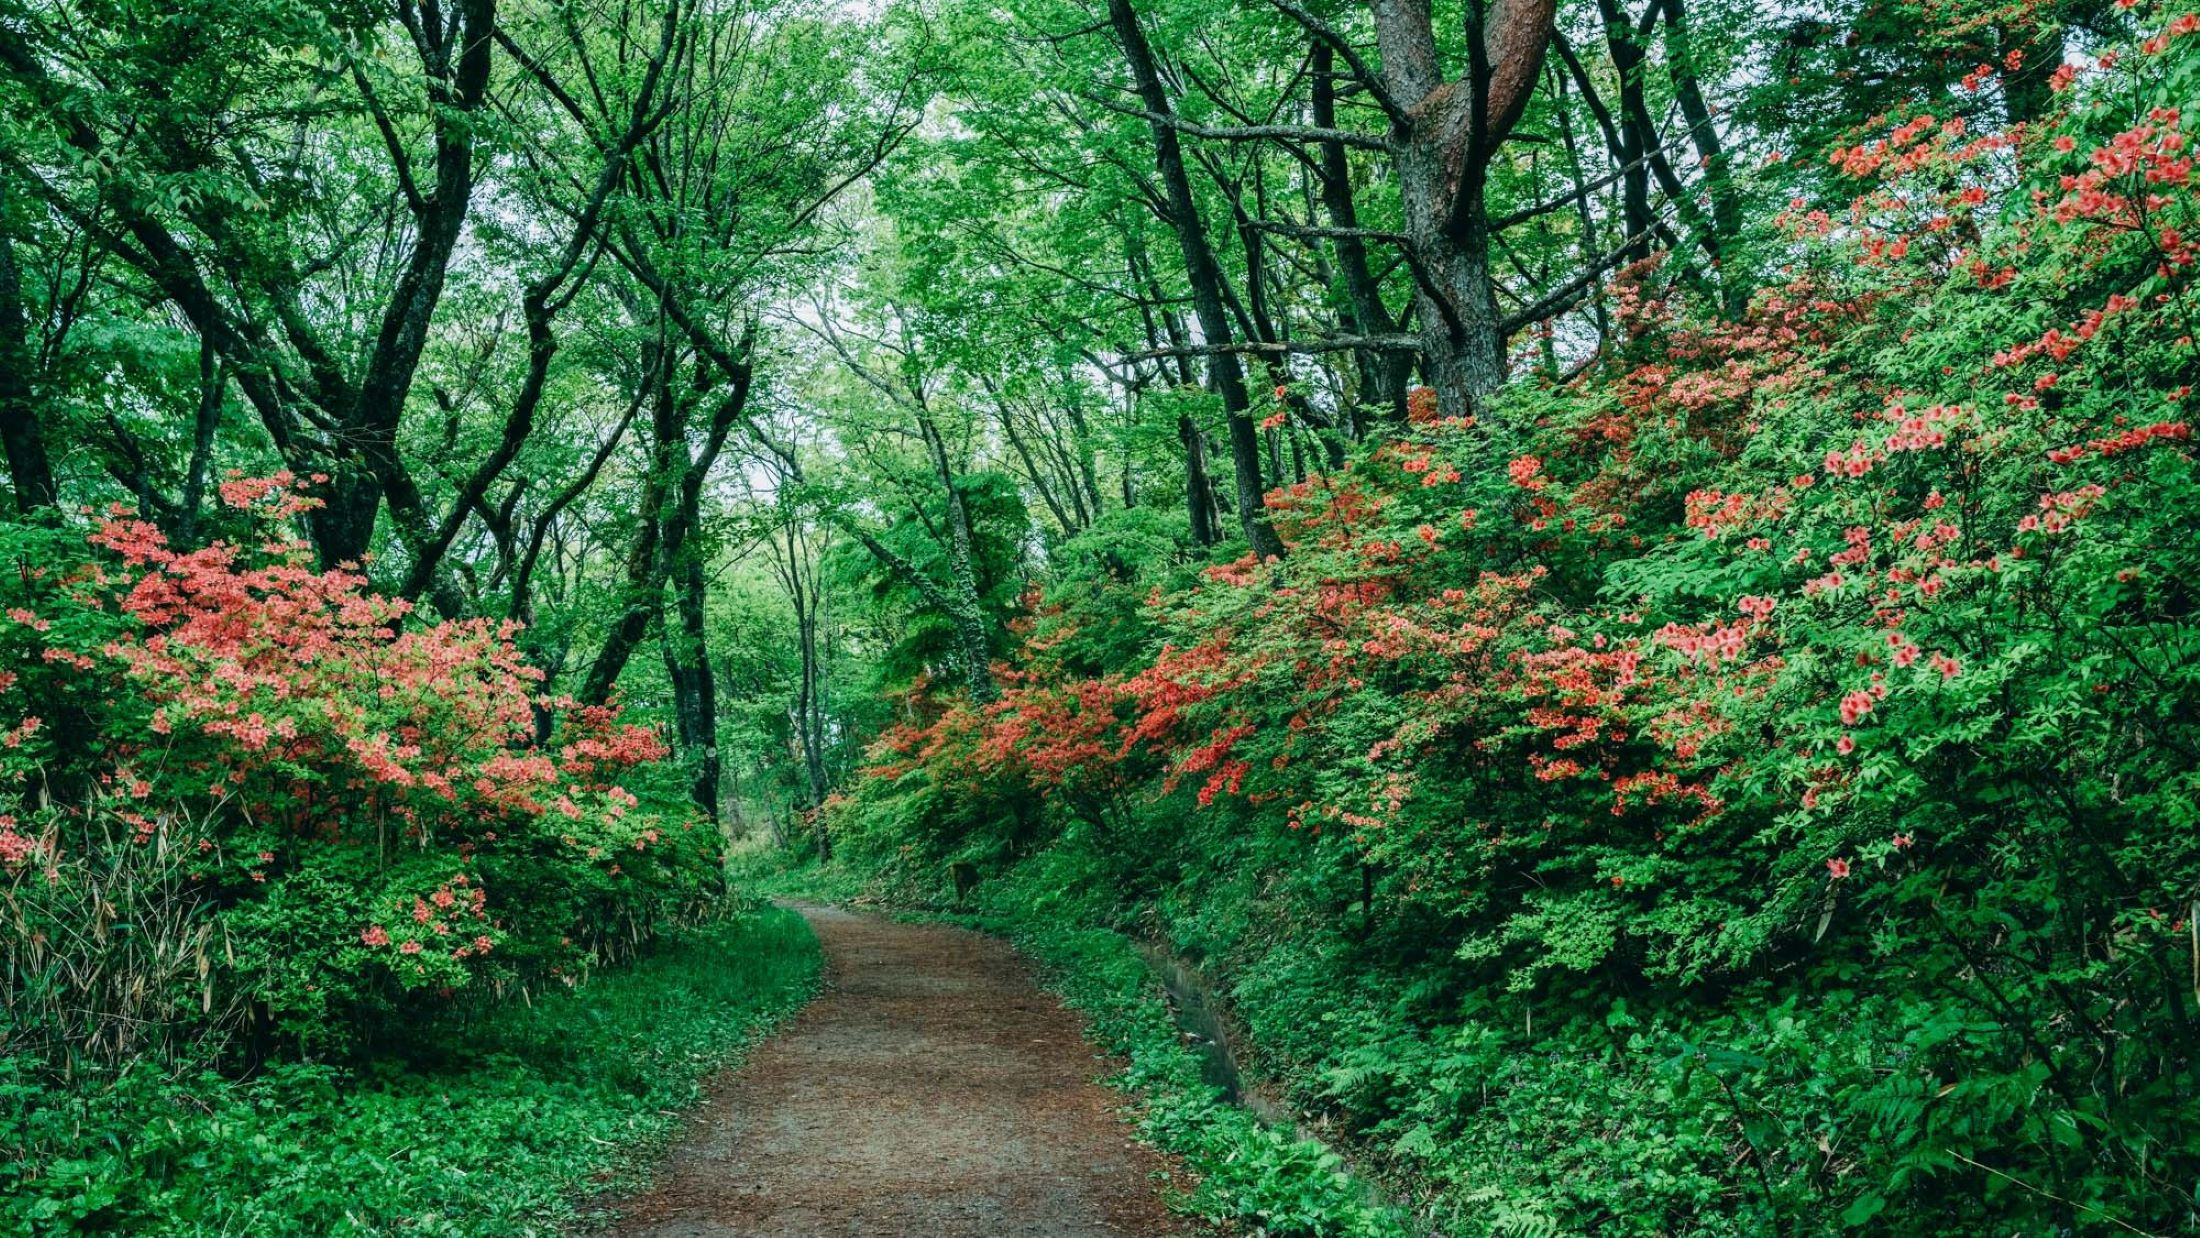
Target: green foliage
493	1126
1748	788
926	638
1740	780
1104	574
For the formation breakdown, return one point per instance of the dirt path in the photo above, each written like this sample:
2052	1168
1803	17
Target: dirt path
931	1089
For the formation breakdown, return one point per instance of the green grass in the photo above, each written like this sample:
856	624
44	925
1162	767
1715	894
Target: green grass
766	871
507	1131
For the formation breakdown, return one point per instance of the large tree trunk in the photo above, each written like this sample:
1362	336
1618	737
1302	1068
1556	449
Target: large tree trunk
1452	132
1206	280
1463	346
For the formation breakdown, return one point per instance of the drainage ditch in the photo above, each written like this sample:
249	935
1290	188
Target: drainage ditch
1201	1016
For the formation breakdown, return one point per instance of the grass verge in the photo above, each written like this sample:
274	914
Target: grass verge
501	1132
1250	1174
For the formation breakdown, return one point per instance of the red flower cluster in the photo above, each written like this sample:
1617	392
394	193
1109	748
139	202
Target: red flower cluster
295	716
2129	440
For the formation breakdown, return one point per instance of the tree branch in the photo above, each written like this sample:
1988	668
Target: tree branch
1250	133
1369	79
1317	232
1326	344
1566	295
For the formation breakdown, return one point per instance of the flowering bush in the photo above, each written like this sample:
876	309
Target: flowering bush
1844	655
356	802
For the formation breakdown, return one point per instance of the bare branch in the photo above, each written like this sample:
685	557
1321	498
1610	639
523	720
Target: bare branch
1317	232
1250	133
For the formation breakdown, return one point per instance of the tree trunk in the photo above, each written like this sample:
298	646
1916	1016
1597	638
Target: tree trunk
694	684
1453	131
1463	347
1199	496
646	558
967	613
211	388
791	562
813	717
1383	374
1206	281
403	334
1088	465
1583	218
671	499
809	705
1634	129
30	469
1198	488
1718	174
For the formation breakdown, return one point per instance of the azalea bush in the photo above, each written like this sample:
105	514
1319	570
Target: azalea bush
241	793
1779	742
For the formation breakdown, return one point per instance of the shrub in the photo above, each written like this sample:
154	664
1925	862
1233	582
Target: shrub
238	792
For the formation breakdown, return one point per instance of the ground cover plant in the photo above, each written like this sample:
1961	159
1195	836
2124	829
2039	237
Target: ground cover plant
508	1124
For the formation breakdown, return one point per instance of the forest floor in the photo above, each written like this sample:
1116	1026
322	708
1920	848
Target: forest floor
931	1089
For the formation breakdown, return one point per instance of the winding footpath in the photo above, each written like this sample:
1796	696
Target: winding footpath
931	1089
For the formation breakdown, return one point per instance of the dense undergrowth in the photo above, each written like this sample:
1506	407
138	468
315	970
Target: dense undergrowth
1728	766
251	809
1747	788
489	1125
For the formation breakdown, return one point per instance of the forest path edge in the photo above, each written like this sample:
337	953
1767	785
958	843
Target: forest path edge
932	1087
